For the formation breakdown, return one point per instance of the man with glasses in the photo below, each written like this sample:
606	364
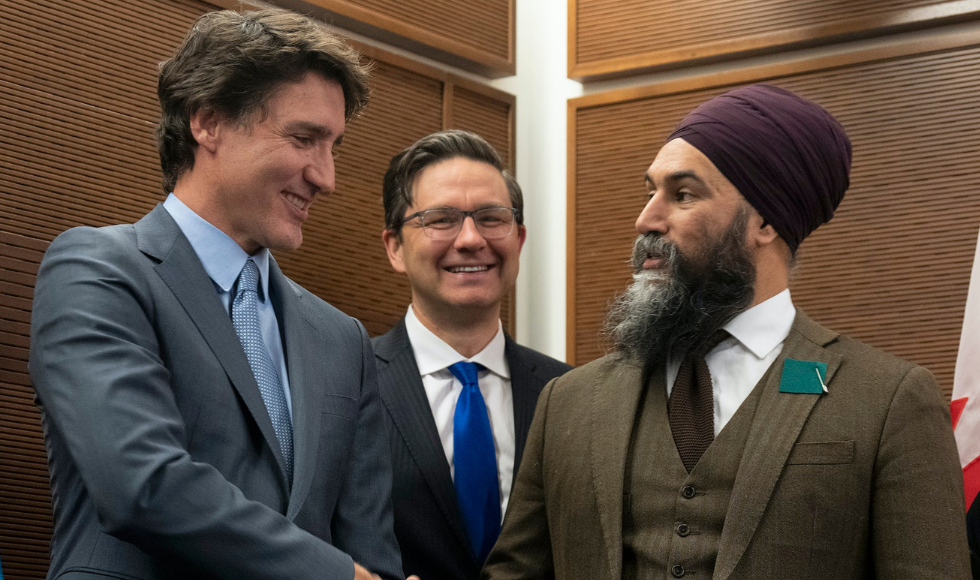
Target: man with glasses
459	393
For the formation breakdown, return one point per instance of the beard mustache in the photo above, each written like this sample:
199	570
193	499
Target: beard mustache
675	309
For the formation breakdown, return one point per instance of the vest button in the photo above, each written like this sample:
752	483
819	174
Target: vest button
677	570
688	492
683	530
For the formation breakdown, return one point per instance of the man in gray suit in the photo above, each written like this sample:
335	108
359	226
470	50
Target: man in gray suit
205	416
454	227
729	436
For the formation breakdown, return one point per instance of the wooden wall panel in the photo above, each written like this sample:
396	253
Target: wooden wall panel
485	114
77	112
475	35
25	510
892	269
618	37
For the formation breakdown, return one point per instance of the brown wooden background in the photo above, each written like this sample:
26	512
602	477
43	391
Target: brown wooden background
892	269
618	37
77	112
475	35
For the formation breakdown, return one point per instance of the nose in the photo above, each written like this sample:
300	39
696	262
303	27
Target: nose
469	237
653	217
320	172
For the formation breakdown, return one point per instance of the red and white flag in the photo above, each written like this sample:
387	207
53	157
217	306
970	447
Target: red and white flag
965	406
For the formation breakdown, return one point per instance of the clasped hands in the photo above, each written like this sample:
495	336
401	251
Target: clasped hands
362	573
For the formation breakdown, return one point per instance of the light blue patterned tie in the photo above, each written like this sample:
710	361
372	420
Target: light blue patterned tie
245	318
475	463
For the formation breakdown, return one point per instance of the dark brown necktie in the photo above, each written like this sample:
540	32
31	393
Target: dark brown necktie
691	406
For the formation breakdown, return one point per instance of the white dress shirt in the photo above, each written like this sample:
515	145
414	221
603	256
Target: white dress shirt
223	260
433	357
738	363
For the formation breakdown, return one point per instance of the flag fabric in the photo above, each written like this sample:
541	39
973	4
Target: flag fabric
965	406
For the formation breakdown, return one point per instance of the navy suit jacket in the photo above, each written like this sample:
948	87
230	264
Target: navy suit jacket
158	439
973	536
428	523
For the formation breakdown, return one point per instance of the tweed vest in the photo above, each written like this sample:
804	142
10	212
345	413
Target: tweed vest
672	520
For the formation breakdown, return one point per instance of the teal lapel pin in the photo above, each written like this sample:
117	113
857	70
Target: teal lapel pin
803	376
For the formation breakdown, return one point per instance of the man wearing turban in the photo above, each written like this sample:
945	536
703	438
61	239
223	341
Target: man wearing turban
729	436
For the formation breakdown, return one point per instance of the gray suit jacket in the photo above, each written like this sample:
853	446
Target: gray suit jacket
158	439
428	522
862	482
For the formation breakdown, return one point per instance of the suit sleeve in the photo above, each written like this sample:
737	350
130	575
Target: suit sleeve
105	390
363	524
524	547
973	537
917	510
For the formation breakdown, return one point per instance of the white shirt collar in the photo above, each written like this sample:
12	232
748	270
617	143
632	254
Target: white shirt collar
222	257
764	326
432	354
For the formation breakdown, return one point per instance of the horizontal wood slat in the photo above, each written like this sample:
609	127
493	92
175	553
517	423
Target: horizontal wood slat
610	38
475	35
25	508
892	269
77	113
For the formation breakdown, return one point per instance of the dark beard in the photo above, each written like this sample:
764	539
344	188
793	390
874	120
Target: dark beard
673	311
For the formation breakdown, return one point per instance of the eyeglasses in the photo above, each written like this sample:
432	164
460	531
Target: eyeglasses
445	223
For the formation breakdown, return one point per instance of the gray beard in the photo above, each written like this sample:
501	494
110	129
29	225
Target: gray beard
675	310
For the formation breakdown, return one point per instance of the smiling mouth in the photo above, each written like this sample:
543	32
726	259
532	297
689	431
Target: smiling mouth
297	201
467	269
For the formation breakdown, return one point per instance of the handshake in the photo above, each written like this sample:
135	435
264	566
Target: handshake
362	573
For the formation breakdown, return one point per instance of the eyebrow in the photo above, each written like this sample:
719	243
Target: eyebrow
478	208
676	176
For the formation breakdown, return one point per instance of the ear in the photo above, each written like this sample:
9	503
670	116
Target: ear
206	129
393	245
760	233
521	236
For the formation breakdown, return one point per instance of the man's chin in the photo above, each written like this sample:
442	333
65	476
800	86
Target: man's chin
286	243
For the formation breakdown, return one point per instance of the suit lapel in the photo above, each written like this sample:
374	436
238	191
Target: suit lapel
614	405
778	421
403	394
525	387
159	237
294	318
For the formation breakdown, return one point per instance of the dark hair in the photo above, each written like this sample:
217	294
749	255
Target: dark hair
429	150
233	62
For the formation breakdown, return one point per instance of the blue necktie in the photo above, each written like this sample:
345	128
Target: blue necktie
475	462
245	318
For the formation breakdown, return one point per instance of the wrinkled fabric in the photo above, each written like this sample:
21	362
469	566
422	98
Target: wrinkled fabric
787	156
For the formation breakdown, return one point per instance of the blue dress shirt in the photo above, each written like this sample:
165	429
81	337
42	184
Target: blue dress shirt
223	260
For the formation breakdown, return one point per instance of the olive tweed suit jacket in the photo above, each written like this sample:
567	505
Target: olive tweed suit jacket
861	482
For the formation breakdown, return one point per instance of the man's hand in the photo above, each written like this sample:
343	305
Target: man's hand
361	573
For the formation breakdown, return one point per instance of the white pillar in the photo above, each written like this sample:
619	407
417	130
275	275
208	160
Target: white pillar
542	90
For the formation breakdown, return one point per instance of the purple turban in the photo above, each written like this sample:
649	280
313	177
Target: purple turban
786	155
